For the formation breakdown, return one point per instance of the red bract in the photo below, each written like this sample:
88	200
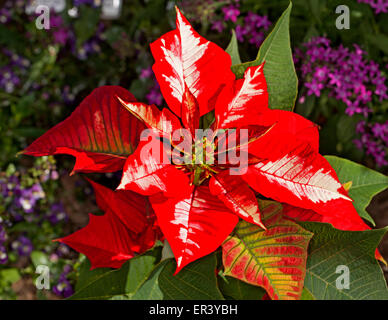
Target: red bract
99	133
197	200
128	227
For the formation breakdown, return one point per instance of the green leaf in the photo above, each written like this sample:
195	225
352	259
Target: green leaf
279	67
232	49
197	281
331	248
236	289
380	41
124	281
366	183
150	289
87	276
39	258
9	276
306	295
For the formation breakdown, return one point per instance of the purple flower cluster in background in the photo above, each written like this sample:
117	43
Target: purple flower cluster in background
348	77
154	95
65	35
8	6
374	139
24	200
57	213
380	6
251	29
63	287
23	246
346	74
3	239
11	73
78	3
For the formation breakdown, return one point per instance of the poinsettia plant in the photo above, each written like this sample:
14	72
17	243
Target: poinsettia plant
227	178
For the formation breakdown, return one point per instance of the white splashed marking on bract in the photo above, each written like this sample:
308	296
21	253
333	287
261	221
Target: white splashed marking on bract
248	90
183	55
290	173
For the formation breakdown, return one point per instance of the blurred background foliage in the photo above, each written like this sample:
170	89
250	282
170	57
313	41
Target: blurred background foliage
45	74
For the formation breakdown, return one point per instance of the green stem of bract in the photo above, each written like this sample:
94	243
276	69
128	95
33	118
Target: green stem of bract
197	175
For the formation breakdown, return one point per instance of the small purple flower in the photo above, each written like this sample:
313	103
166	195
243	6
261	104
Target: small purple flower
62	250
67	269
146	73
154	96
374	140
78	3
57	213
23	246
240	33
60	36
218	26
231	13
37	192
314	88
25	201
56	21
3	255
63	288
321	73
256	38
54	175
3	234
380	6
5	15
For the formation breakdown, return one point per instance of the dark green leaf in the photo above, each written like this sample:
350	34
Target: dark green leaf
355	250
124	281
232	49
87	276
380	41
236	289
366	183
197	281
150	289
279	67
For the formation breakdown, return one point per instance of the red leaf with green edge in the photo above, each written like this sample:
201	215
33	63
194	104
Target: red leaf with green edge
302	178
341	221
128	227
149	171
194	225
242	102
184	59
237	196
274	259
164	122
100	133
